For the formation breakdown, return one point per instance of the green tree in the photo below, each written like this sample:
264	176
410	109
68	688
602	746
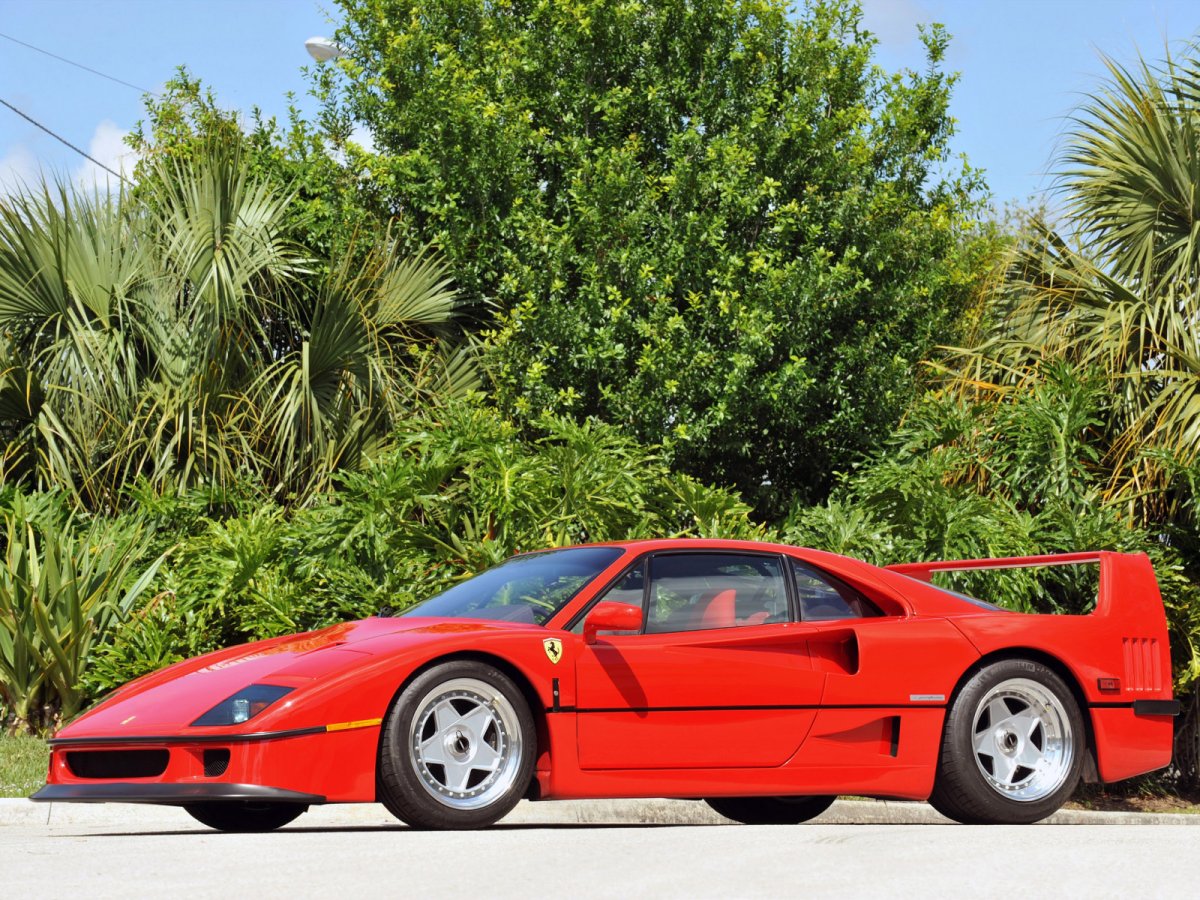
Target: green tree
1113	286
716	224
332	211
177	336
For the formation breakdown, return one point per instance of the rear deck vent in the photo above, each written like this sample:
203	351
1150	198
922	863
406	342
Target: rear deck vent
117	763
215	763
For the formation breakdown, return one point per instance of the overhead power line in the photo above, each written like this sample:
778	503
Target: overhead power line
71	62
63	140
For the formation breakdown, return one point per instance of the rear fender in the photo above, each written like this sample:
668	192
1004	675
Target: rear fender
1118	655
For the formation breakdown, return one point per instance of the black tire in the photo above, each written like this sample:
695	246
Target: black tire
1013	746
770	810
486	754
244	815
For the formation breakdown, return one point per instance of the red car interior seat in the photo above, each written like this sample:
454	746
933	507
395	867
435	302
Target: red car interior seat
720	611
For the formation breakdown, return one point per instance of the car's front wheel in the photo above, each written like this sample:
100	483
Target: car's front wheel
458	748
244	815
1012	748
770	810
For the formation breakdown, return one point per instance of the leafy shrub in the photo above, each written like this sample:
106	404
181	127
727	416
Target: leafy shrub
63	588
1012	478
175	336
461	490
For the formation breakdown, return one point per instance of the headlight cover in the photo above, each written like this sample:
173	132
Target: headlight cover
243	706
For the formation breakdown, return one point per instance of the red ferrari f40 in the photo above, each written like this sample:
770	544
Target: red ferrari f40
764	679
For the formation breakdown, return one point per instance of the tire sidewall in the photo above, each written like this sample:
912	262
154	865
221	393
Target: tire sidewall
401	788
959	764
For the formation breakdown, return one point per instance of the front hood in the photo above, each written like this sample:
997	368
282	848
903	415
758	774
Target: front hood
166	701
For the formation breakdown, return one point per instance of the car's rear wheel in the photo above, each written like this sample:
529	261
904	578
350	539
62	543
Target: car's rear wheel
1012	748
770	810
244	815
458	748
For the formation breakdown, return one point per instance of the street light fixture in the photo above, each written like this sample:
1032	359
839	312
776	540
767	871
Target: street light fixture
322	49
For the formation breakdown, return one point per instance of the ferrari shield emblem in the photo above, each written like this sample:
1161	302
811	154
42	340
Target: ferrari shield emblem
553	649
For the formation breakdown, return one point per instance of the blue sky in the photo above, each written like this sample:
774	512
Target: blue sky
1024	65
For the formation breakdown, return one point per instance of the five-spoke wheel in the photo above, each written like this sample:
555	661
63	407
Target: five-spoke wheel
1023	741
1012	751
458	748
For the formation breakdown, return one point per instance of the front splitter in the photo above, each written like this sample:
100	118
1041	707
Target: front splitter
170	794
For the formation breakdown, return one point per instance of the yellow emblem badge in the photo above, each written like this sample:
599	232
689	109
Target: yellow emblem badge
553	649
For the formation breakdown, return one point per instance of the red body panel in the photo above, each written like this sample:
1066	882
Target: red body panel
830	707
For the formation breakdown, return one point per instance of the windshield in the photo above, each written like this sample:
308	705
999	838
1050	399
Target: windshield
528	588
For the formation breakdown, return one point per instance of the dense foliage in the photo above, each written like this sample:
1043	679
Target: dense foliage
1073	419
713	223
64	588
1113	286
460	491
699	242
332	211
963	480
178	336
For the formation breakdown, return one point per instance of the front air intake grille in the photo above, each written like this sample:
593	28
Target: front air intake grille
117	763
215	763
1143	664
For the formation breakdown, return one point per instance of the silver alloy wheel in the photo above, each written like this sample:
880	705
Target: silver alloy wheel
465	743
1022	740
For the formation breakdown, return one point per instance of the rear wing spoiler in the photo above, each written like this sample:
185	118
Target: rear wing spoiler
924	570
1128	587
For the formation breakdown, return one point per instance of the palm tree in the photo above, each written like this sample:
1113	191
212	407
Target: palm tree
1115	289
175	334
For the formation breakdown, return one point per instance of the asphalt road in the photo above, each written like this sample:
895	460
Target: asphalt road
335	852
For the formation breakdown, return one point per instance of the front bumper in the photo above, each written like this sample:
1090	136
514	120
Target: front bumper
304	766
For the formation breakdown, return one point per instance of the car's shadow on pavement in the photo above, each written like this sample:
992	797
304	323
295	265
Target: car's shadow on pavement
350	829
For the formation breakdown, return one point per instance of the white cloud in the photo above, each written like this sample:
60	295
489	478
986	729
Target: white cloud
18	169
107	146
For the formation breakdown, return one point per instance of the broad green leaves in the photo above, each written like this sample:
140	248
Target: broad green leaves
1113	287
460	490
63	589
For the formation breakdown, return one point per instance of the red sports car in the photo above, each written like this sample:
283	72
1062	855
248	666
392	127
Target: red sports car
763	678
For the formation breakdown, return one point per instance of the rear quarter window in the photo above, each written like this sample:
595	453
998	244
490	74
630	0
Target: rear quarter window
824	597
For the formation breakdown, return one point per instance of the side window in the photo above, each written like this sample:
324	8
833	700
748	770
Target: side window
823	597
698	591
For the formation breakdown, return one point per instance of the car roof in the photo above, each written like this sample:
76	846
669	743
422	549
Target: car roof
916	596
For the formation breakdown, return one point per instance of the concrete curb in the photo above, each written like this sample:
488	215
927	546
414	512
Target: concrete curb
566	812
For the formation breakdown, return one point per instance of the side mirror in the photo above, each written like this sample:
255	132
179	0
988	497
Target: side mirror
611	616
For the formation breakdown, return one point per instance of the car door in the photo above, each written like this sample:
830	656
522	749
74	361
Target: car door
719	676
